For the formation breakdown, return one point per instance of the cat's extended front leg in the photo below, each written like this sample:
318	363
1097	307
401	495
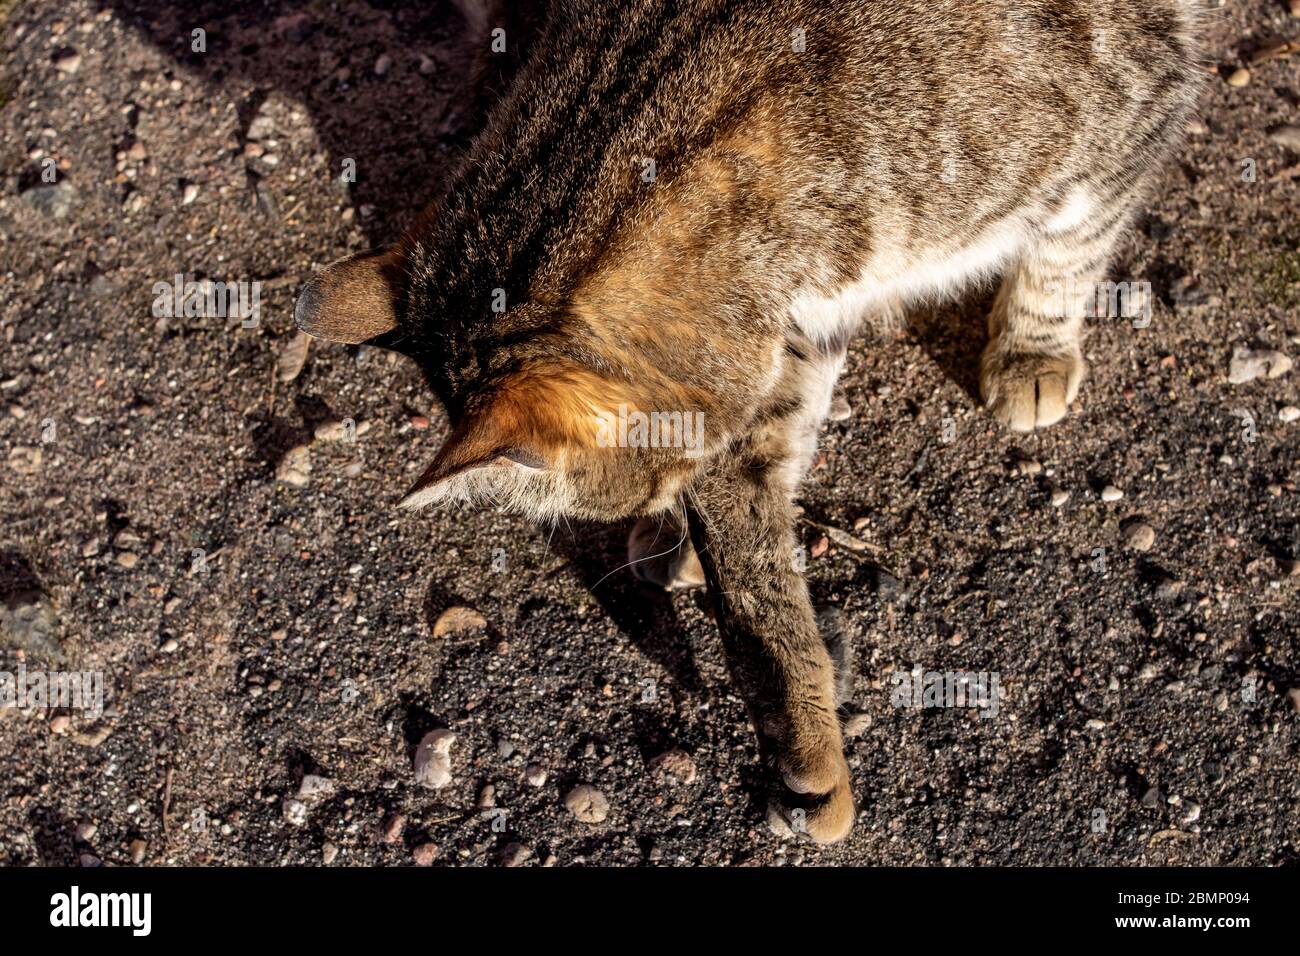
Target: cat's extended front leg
742	524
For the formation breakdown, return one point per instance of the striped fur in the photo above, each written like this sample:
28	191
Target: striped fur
691	206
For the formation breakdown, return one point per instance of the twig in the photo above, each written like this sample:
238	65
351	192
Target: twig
843	538
167	798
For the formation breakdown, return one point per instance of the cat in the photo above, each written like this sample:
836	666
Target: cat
681	209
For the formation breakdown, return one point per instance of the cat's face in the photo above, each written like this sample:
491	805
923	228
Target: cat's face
540	433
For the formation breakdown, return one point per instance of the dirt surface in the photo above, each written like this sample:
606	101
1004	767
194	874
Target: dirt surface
253	630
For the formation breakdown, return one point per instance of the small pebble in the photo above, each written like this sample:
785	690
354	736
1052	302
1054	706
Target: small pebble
840	410
587	804
1169	589
674	766
1239	77
1249	364
138	849
189	194
315	787
294	811
535	775
292	357
328	853
515	854
170	646
425	854
391	830
1060	497
1138	536
86	831
1288	414
1028	467
1288	136
1111	493
383	64
25	460
262	125
1192	814
55	200
487	797
457	620
295	466
127	559
332	430
433	759
68	62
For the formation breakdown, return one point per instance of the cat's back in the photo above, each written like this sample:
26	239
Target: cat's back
778	121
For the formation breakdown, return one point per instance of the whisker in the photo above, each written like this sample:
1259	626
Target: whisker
648	557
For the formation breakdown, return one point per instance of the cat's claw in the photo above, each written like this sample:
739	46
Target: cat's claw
1028	391
823	818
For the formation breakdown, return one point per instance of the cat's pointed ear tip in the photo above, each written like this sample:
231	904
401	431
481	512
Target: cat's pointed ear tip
431	487
417	498
412	501
424	491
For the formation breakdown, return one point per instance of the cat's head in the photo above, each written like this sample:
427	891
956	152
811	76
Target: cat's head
539	423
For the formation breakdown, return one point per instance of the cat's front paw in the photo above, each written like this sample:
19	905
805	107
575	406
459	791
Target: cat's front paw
1025	391
661	554
817	797
824	818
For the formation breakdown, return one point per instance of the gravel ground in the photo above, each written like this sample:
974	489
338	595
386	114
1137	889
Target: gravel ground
196	510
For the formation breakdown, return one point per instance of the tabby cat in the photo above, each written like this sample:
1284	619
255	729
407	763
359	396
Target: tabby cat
681	211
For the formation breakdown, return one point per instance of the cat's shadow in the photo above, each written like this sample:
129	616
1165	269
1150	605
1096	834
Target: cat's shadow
400	128
953	336
647	615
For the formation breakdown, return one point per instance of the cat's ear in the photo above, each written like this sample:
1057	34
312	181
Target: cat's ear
354	299
530	421
492	439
